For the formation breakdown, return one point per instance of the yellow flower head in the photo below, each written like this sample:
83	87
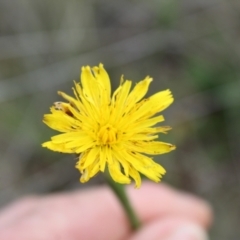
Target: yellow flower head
113	131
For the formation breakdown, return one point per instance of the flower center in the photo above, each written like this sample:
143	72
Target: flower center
107	134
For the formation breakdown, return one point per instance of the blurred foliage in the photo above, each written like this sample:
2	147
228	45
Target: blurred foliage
191	47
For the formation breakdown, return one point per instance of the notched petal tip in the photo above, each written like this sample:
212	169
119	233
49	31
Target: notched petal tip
148	78
163	129
44	144
172	147
121	80
60	93
88	68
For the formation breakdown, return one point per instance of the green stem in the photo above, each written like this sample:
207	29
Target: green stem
120	192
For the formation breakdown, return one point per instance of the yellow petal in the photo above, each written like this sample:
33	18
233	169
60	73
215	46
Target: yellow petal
94	169
88	172
161	100
81	147
85	176
70	99
136	176
162	129
61	122
152	147
70	136
91	157
122	161
144	164
90	86
104	81
156	103
116	174
138	126
123	93
140	137
120	101
103	159
57	147
138	93
147	166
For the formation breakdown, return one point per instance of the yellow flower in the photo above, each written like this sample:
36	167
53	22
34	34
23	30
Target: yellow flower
113	131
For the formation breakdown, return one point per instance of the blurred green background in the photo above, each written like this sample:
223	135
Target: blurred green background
189	46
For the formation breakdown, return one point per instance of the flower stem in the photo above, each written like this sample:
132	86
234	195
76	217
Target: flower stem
120	192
